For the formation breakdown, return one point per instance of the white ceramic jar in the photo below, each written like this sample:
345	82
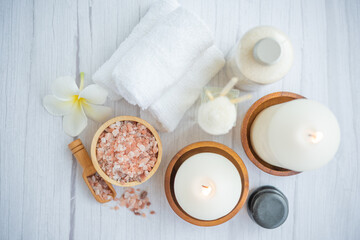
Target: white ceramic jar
262	56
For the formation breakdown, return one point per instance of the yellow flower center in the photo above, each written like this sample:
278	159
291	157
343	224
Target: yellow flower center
78	101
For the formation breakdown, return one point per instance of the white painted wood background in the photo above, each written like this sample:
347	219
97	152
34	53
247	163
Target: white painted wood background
42	194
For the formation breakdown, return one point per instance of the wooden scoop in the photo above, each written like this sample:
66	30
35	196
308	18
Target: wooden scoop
81	155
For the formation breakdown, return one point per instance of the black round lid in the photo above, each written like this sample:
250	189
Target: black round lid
268	207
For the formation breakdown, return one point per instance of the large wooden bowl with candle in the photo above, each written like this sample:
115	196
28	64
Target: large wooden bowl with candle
123	119
254	110
196	149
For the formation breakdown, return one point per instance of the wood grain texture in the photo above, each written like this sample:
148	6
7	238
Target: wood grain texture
42	194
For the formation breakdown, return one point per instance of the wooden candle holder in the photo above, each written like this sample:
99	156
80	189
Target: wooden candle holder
183	155
81	155
254	110
95	140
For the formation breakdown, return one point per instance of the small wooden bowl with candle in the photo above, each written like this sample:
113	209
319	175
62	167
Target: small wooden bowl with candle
127	154
225	186
254	110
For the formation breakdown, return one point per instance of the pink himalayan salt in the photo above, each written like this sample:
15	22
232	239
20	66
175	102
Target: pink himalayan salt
134	202
127	151
100	187
131	199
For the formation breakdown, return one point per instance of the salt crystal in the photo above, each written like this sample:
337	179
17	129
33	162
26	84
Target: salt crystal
124	154
143	194
135	202
141	147
131	154
99	186
115	132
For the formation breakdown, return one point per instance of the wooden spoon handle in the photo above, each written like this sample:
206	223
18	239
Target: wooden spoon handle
80	153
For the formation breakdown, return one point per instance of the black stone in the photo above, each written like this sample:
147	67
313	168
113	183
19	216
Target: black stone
268	207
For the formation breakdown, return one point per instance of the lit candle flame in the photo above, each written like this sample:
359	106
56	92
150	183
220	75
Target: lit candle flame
316	137
206	190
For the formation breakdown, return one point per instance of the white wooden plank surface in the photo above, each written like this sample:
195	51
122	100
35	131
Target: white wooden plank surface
42	195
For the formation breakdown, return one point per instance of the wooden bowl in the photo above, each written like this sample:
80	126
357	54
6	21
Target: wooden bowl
254	110
95	140
183	155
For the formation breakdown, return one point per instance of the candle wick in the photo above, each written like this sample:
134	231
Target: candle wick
316	137
206	190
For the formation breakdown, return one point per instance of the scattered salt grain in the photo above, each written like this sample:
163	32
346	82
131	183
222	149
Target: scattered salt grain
143	195
135	202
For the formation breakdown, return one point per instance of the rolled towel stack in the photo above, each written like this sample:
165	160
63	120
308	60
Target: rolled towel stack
103	76
163	65
161	57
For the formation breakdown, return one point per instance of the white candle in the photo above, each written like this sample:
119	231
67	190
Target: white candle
207	186
298	135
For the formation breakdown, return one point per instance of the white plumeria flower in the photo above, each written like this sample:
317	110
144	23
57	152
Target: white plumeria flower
76	103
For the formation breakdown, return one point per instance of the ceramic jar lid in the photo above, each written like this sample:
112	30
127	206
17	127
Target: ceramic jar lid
268	207
267	51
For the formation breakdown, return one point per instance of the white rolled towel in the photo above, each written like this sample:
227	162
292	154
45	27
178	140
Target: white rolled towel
159	59
157	11
166	113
